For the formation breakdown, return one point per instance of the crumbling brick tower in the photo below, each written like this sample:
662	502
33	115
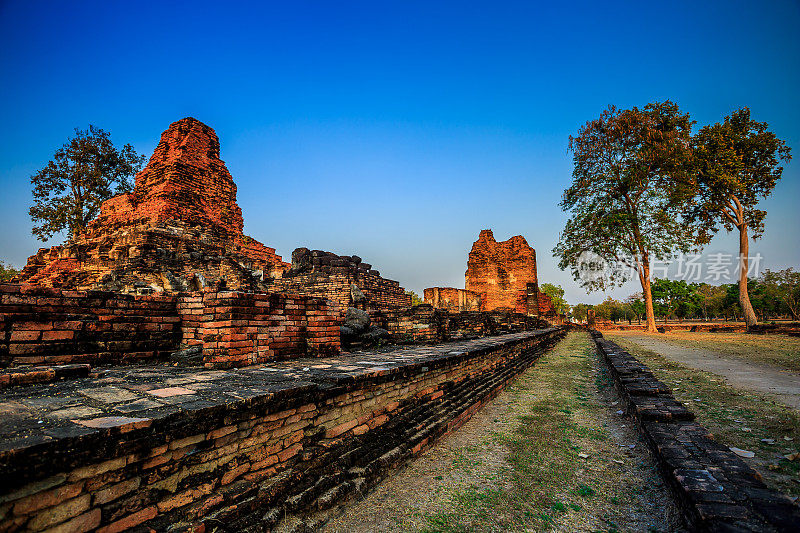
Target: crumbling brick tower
504	275
180	228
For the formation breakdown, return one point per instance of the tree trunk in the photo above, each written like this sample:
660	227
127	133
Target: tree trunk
644	278
744	298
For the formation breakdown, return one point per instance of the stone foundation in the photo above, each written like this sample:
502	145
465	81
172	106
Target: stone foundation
426	324
174	449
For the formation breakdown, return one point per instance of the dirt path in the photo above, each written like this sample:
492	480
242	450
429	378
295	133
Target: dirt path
550	453
784	385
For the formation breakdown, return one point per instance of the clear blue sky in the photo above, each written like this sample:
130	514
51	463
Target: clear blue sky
394	130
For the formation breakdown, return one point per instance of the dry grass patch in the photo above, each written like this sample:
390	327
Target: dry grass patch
572	463
736	418
779	350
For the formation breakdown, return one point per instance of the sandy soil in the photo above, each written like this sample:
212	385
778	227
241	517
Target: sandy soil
784	385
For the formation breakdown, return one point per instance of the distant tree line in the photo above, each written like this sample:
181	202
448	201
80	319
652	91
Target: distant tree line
773	295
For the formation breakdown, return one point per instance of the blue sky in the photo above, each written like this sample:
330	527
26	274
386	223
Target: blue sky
394	130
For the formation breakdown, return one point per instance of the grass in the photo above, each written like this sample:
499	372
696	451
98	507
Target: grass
778	350
563	468
736	418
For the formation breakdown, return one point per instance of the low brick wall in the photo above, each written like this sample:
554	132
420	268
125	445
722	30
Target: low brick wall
241	329
42	326
425	323
716	489
333	285
245	448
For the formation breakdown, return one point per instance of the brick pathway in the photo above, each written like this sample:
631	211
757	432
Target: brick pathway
127	396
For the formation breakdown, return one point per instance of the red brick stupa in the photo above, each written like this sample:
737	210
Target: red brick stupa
179	229
504	275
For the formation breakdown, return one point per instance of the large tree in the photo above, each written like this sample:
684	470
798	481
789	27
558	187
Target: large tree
737	164
84	172
624	214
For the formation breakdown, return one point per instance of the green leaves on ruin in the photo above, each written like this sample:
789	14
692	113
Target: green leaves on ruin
556	294
7	272
84	172
623	201
735	164
415	299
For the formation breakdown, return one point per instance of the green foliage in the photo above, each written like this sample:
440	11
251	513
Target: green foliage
415	299
580	312
635	303
622	203
711	299
735	165
84	172
783	287
675	297
614	310
556	294
7	272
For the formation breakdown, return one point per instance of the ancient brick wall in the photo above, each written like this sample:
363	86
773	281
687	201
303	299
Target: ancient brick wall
241	329
427	324
545	305
256	448
179	229
327	275
452	299
42	326
501	271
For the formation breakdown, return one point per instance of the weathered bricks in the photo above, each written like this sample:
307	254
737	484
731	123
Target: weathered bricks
106	327
306	442
716	489
330	276
499	276
500	272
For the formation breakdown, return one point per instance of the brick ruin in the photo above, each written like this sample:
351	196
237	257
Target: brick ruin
241	409
257	421
454	300
327	275
265	448
499	276
43	328
179	229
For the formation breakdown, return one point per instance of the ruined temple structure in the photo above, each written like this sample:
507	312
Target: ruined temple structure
344	279
499	276
454	300
179	229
